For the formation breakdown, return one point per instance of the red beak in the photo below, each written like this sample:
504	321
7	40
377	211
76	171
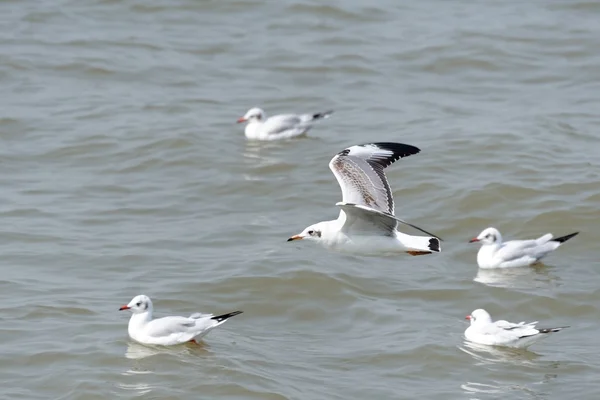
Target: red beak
240	120
124	308
468	317
473	240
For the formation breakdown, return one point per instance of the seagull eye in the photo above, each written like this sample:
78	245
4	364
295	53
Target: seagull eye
311	232
139	303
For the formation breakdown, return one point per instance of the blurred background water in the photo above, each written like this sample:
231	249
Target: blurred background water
123	172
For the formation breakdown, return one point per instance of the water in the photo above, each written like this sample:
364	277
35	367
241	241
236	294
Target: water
123	172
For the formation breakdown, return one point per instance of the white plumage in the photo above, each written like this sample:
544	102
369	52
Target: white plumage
366	223
278	127
503	333
515	253
168	331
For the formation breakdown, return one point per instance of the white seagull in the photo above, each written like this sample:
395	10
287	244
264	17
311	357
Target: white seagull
278	127
515	253
366	224
503	333
168	331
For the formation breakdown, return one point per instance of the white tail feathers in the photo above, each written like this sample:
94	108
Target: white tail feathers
421	243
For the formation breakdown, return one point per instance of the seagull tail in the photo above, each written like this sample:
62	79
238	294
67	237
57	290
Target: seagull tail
322	115
551	330
419	245
563	239
223	317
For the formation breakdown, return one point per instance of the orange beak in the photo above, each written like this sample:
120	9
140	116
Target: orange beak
124	308
468	317
473	240
241	119
295	237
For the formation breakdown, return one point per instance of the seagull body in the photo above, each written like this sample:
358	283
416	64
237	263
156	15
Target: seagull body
278	127
366	223
503	333
515	253
168	331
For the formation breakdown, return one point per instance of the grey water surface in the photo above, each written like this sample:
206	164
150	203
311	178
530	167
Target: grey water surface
123	172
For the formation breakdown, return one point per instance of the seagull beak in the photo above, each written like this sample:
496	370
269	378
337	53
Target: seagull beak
468	317
240	120
473	240
124	308
295	237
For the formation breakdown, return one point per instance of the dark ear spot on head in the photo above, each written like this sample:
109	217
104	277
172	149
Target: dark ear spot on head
318	233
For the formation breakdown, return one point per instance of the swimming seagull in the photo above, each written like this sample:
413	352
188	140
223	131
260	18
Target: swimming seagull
278	127
366	223
503	333
168	331
515	253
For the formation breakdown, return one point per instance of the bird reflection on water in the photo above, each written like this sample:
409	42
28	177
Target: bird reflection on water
493	355
136	351
538	277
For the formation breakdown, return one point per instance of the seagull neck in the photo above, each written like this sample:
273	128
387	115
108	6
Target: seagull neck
334	224
140	319
255	121
487	251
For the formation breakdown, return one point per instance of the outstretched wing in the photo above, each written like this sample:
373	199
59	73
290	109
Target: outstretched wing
359	171
365	220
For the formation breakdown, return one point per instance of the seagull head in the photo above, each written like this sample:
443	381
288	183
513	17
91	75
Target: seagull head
479	316
139	304
313	232
253	114
488	236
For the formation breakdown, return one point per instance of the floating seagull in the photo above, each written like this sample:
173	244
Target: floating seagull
515	253
503	333
168	331
278	127
366	223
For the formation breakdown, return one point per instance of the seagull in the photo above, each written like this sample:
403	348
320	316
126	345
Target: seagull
278	127
515	253
503	333
367	224
168	331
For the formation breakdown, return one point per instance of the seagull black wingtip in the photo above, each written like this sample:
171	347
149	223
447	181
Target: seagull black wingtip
224	317
563	239
401	149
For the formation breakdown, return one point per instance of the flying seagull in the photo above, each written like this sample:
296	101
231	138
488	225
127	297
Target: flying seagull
367	224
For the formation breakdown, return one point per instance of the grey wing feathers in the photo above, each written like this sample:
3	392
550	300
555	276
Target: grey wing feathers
516	249
544	239
201	315
364	220
280	123
384	221
360	172
169	325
